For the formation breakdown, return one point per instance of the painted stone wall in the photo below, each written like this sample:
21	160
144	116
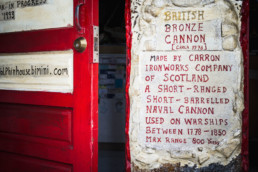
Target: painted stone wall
186	85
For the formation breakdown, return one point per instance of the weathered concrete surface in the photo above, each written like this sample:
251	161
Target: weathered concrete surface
233	166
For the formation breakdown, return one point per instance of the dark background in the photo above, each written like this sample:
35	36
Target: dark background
111	21
253	150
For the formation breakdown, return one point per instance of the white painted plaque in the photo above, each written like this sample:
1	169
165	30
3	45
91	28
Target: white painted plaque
186	101
186	84
42	71
25	15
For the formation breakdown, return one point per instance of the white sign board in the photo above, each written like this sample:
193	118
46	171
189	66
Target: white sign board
48	71
25	15
185	101
186	84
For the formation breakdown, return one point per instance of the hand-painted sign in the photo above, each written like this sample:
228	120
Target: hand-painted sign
25	15
186	85
48	71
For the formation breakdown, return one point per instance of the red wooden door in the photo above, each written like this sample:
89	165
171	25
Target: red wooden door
45	125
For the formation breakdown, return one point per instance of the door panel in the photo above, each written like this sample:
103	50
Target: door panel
51	129
37	98
28	164
36	121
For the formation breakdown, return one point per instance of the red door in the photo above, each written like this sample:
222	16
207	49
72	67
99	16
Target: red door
48	89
